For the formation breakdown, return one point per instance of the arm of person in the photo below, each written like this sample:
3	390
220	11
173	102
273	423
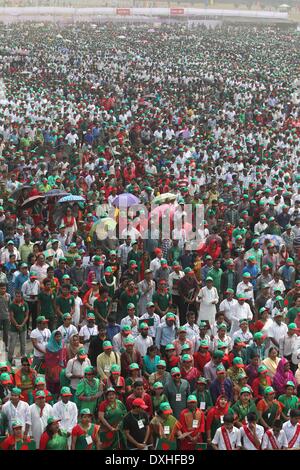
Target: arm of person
148	432
104	422
12	320
36	345
25	319
133	441
74	439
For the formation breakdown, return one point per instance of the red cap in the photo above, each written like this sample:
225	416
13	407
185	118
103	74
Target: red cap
140	402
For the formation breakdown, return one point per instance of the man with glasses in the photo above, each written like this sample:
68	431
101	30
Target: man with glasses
177	391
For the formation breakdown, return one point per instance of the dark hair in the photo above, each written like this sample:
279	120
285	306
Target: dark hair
138	383
66	286
2	284
294	413
151	349
24	360
251	417
277	423
228	418
50	432
50	268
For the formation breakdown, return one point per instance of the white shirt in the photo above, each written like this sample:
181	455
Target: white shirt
227	307
193	333
241	289
289	431
234	437
247	337
238	313
67	332
248	444
155	265
152	329
30	288
175	277
86	332
75	367
142	344
76	314
281	441
68	414
38	422
20	412
42	337
128	321
277	331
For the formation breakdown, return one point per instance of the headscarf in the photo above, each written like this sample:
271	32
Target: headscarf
72	349
53	345
90	279
282	377
218	410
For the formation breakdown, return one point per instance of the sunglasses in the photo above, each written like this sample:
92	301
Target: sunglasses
176	375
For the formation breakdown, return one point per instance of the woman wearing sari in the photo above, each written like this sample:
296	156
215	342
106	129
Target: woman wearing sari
134	375
55	361
165	425
16	440
282	376
158	396
271	362
188	372
268	408
215	416
161	374
192	421
289	400
203	395
53	438
261	382
85	435
73	346
243	406
111	413
88	391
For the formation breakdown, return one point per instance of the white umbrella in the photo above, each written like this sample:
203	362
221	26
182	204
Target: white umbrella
284	5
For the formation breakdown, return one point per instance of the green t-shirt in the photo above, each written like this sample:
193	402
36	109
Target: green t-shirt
102	307
292	314
19	311
65	304
127	299
163	300
47	307
289	403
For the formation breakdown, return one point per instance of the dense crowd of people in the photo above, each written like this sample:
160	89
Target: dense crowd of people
135	339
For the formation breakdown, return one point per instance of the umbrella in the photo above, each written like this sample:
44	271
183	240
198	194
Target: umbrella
71	198
125	200
56	193
17	192
32	200
102	226
284	5
161	210
163	198
271	238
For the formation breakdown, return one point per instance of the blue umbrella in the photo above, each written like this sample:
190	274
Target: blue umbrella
125	200
275	239
71	198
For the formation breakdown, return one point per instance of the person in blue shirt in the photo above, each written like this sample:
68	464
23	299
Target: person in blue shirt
112	328
287	272
22	277
252	269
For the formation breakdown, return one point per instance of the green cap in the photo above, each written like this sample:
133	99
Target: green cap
192	399
66	315
86	411
165	408
144	326
40	380
107	345
171	316
5	378
290	384
158	385
52	420
175	370
292	326
238	361
16	423
245	390
65	392
220	369
187	358
40	394
162	363
134	366
258	335
269	390
115	369
222	326
130	306
218	354
169	347
16	391
262	369
89	369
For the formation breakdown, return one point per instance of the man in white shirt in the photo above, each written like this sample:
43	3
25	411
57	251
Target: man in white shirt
143	341
67	329
88	331
241	311
75	368
252	433
9	250
17	409
155	264
149	315
227	437
192	330
275	438
291	429
119	338
39	338
40	411
288	344
66	411
245	287
277	330
132	320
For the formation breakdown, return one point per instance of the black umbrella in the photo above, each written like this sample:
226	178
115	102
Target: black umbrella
56	193
16	194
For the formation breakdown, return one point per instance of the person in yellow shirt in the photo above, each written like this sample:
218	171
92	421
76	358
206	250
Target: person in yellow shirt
106	359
